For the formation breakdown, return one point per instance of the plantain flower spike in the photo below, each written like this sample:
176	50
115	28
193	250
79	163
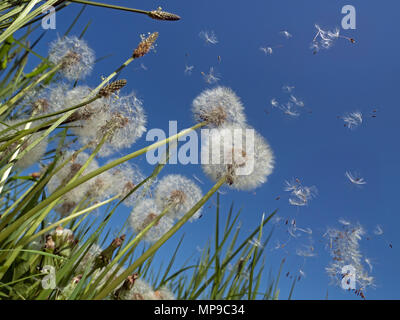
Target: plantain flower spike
145	45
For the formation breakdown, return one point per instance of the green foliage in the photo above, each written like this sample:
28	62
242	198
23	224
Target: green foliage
34	238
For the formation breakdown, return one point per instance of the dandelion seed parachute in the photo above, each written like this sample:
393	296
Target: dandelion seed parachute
209	37
179	194
234	155
218	106
76	56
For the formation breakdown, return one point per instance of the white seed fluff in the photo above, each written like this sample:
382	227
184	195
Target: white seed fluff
78	59
178	193
233	152
218	106
143	214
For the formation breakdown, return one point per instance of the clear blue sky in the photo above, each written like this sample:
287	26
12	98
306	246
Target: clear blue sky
314	147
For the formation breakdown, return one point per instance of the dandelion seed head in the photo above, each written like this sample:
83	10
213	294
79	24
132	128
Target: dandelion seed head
76	56
256	161
164	294
143	214
218	106
125	178
141	290
65	174
179	194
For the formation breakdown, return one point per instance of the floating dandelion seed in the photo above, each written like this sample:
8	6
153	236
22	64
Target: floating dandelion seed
286	34
76	57
246	161
267	50
344	222
307	251
296	101
143	214
324	39
218	106
188	69
353	178
353	120
345	251
179	194
274	103
209	37
368	261
288	110
301	195
378	230
287	88
210	77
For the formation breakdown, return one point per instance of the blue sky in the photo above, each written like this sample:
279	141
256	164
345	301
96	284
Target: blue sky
314	147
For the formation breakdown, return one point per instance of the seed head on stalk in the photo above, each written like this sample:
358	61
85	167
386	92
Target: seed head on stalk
74	54
143	214
245	159
145	45
177	193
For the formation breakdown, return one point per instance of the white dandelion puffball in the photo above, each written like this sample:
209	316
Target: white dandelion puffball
65	174
179	194
164	294
141	290
124	121
125	178
218	106
143	214
61	97
240	154
34	155
77	58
